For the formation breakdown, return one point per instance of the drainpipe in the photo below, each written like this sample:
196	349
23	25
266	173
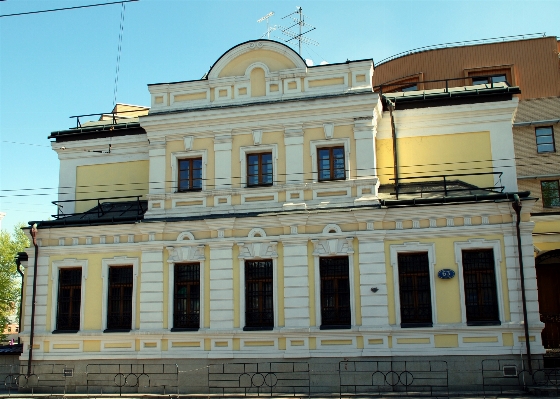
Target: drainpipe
21	256
516	205
391	107
34	236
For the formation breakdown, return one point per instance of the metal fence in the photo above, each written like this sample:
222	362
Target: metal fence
405	378
510	377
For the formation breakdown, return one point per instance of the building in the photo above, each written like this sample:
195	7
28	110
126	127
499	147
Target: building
531	63
258	221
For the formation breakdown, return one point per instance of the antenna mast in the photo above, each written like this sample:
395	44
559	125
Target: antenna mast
268	30
300	21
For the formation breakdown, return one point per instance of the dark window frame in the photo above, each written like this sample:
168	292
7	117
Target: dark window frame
185	318
191	179
489	78
119	319
547	204
260	175
545	135
478	311
415	289
259	295
331	167
336	309
69	321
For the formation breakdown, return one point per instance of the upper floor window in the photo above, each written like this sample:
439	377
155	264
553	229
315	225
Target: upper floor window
410	88
479	278
335	292
259	306
69	299
259	169
186	311
550	193
480	80
331	163
414	289
545	139
119	314
190	174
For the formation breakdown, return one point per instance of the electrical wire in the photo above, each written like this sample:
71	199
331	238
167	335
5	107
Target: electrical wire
119	48
66	8
36	145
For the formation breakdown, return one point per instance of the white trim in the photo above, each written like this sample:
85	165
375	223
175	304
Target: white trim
257	251
480	243
316	144
218	98
64	264
246	150
430	248
324	248
105	265
176	156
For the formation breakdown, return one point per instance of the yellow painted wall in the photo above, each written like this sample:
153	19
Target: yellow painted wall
273	60
545	227
94	286
110	180
447	292
258	84
435	155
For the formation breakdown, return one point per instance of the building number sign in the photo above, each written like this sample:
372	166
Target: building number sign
446	274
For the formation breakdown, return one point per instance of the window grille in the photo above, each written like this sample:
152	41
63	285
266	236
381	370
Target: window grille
259	307
550	193
190	174
186	311
335	292
480	287
414	290
259	169
331	163
69	299
119	315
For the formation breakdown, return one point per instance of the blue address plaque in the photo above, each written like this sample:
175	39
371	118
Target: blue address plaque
446	274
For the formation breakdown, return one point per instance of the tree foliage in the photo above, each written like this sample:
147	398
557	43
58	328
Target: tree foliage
10	280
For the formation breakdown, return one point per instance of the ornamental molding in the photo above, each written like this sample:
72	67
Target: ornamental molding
257	250
334	246
190	253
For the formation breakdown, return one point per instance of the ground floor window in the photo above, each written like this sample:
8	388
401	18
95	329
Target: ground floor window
414	289
119	315
69	299
186	307
335	292
259	304
479	277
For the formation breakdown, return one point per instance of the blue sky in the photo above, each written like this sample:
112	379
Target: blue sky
58	64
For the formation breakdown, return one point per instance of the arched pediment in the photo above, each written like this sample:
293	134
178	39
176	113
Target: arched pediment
276	56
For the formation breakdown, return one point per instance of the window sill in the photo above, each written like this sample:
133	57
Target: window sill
260	185
335	327
264	328
65	331
416	325
484	323
116	330
189	191
178	329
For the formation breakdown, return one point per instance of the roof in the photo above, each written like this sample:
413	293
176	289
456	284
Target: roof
16	349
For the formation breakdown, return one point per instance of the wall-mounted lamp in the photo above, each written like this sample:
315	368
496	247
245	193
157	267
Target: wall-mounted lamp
374	289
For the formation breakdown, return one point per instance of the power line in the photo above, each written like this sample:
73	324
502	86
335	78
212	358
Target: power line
121	30
66	8
36	145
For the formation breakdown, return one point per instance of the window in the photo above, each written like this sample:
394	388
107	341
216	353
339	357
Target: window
69	299
410	88
259	169
259	306
414	289
479	279
331	163
119	314
480	80
186	312
9	329
545	139
550	193
190	174
335	292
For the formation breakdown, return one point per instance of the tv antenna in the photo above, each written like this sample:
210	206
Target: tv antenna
300	22
268	30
